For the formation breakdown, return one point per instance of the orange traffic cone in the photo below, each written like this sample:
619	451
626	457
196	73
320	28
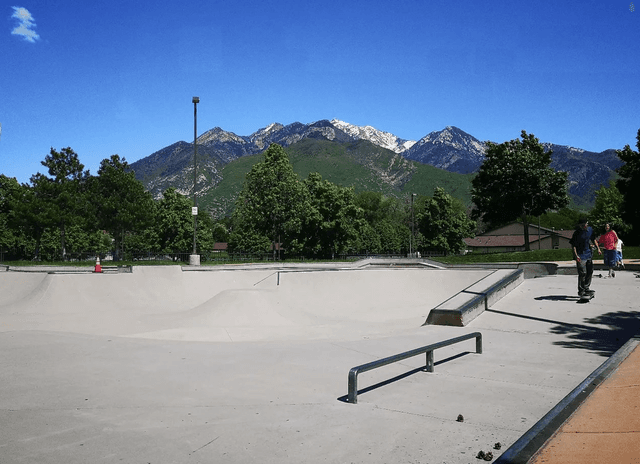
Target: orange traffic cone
98	268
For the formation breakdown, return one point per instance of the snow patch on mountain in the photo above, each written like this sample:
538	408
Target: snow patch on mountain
375	136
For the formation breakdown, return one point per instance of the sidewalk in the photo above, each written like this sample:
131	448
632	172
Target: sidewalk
606	428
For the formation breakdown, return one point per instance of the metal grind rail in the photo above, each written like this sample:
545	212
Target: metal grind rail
353	373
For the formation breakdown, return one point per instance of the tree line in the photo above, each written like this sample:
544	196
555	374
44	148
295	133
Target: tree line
67	211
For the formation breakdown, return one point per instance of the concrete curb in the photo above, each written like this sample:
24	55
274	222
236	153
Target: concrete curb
537	436
465	306
285	266
69	269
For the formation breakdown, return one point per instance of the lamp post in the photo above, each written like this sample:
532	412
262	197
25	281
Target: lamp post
412	221
194	259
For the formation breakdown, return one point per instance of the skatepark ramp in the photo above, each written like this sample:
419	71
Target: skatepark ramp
429	349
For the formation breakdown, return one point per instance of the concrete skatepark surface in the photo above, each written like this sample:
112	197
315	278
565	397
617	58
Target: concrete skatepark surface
244	365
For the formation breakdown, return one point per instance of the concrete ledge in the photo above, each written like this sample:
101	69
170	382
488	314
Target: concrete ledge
532	270
468	304
401	262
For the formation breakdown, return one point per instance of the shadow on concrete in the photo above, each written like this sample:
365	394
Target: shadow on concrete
405	375
620	327
575	299
540	319
604	336
558	298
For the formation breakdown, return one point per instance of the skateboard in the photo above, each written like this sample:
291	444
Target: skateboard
587	298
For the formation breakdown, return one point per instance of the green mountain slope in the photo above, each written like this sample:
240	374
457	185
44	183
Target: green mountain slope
361	165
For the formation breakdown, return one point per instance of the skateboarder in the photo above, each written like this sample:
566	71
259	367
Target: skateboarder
582	242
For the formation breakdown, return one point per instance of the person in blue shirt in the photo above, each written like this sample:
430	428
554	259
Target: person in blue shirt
582	241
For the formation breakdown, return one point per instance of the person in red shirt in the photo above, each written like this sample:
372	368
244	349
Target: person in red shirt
609	241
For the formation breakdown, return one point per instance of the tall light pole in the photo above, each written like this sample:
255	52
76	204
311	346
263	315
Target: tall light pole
412	221
194	259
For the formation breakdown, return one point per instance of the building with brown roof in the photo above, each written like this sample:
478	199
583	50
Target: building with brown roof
510	238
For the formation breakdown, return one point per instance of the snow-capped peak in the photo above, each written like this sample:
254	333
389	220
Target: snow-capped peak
375	136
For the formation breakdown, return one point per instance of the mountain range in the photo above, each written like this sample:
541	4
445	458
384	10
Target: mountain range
390	164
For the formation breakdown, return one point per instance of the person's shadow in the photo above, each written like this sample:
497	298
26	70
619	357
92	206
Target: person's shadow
559	298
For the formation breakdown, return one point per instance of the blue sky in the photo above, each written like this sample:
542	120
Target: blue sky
118	77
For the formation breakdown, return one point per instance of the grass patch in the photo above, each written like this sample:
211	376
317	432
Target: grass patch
526	256
517	257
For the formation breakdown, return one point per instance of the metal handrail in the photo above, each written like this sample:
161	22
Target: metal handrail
353	373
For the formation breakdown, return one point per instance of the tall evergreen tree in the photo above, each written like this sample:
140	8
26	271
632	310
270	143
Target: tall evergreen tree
60	199
120	201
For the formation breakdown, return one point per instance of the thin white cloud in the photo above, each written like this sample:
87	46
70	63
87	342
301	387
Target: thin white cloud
26	25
